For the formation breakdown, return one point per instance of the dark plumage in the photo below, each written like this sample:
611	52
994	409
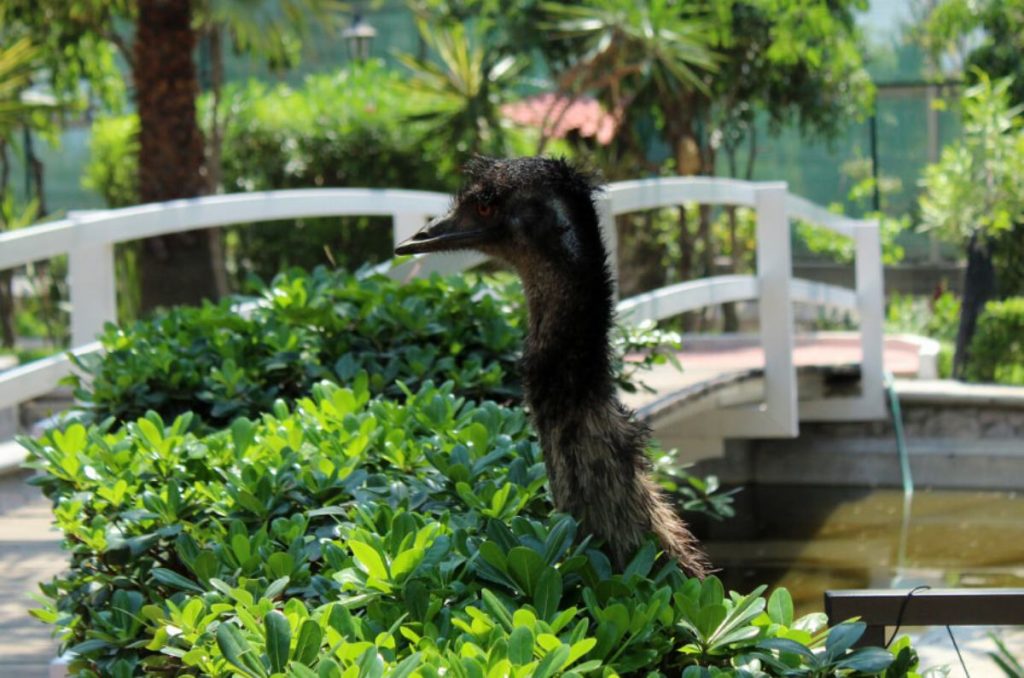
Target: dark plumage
538	214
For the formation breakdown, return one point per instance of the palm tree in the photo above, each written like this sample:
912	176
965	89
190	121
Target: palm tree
634	53
639	57
17	64
464	88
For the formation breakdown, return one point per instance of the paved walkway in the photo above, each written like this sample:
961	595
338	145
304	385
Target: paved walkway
29	553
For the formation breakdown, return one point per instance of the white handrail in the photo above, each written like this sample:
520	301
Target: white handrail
691	295
144	221
39	377
89	238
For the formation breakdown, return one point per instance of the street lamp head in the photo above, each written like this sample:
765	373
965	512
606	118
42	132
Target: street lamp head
359	36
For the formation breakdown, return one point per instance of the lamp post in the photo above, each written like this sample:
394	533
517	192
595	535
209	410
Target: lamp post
359	37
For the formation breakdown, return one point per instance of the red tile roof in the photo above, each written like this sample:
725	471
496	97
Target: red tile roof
558	115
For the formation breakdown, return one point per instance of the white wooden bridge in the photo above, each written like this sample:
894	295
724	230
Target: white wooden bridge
772	407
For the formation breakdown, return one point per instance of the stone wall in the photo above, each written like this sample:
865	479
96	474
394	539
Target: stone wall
959	443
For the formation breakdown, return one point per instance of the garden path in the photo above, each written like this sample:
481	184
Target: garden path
29	553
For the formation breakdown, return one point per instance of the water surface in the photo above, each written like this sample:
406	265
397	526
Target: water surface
810	539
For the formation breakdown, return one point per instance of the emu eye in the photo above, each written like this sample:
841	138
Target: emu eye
484	209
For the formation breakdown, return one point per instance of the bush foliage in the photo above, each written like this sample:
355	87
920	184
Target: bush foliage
351	535
332	512
221	364
997	350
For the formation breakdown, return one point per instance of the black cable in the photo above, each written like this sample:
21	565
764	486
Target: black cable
899	622
956	647
903	608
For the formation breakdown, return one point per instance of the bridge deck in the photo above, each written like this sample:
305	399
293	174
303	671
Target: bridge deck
710	366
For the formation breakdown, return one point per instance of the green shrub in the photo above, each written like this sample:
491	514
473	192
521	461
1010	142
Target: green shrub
997	350
936	318
112	170
306	327
348	128
350	536
220	364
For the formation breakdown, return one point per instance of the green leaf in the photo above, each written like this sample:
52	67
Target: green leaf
708	619
300	671
868	660
497	609
172	578
552	662
841	638
237	651
548	593
520	646
787	646
642	562
329	668
369	559
243	432
526	566
278	639
406	667
307	647
276	588
780	607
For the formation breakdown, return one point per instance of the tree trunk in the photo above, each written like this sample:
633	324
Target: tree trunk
730	318
214	166
174	269
7	334
979	288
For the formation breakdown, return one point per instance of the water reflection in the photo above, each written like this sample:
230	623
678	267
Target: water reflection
810	539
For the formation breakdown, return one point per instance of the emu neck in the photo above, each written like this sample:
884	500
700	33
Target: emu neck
566	360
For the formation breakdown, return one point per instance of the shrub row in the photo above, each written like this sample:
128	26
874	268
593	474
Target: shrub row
221	364
263	521
997	349
352	536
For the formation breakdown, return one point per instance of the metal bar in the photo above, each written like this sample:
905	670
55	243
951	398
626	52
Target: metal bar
879	608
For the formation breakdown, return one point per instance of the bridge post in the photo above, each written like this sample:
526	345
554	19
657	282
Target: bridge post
774	272
870	299
606	219
93	290
405	224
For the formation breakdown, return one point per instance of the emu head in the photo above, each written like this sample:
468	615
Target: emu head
527	211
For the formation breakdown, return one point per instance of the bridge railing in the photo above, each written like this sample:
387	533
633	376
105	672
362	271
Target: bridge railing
88	240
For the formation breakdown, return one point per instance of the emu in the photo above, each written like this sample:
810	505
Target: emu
538	215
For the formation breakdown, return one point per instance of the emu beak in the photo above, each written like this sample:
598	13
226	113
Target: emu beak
443	234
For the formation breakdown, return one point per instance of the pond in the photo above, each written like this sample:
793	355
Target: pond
810	539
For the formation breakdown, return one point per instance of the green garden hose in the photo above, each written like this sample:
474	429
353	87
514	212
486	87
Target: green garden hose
901	442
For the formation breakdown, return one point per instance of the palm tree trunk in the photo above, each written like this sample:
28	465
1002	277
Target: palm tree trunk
175	269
